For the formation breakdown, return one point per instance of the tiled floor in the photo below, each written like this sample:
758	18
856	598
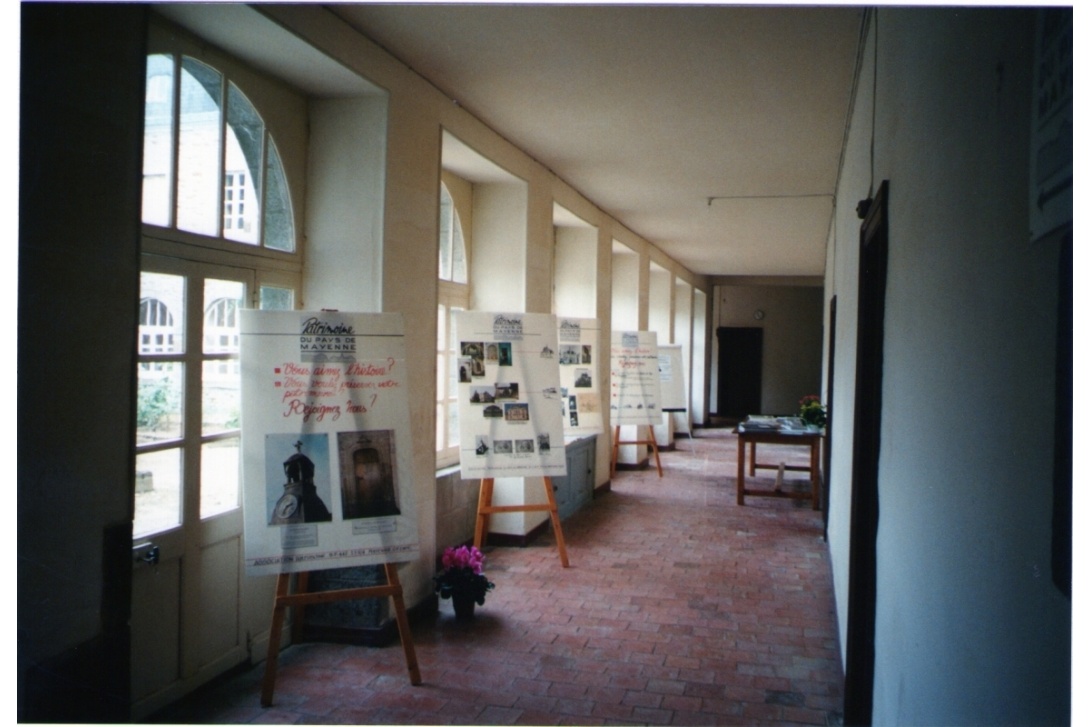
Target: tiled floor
679	607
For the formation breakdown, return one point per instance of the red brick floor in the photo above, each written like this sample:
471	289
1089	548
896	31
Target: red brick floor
679	607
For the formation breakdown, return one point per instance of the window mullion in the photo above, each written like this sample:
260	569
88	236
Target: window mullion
175	132
220	202
192	397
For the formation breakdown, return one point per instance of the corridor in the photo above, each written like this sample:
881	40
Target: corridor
679	607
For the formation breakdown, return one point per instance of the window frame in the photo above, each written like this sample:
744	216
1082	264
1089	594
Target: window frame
452	296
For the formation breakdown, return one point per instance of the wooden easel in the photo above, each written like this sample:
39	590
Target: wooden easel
285	600
617	445
486	508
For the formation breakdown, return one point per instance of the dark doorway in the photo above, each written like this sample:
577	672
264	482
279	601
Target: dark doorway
740	351
862	558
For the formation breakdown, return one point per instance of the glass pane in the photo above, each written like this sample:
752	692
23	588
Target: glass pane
158	139
220	396
440	420
158	492
159	401
279	223
219	476
242	177
446	214
162	314
440	367
441	327
452	344
222	301
459	272
455	374
273	298
199	137
452	426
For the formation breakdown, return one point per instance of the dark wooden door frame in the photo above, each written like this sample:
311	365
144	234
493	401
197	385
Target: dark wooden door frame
862	559
828	444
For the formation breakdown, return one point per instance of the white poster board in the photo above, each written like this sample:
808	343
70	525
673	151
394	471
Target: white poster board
509	403
672	378
326	441
579	387
634	387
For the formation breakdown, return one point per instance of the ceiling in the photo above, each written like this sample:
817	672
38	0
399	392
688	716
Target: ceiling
713	132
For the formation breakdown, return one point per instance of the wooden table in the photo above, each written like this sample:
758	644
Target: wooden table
779	436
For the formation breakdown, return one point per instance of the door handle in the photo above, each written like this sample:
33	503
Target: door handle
147	553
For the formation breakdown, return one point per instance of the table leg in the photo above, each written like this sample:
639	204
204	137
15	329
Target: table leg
815	473
752	459
741	472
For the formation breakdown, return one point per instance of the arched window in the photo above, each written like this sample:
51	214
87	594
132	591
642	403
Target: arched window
210	165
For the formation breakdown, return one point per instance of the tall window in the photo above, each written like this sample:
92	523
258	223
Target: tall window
453	296
214	188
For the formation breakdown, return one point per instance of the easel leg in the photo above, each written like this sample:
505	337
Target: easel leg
403	624
484	502
655	447
268	684
616	450
554	514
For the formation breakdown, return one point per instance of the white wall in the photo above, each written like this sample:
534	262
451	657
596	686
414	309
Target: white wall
970	628
345	181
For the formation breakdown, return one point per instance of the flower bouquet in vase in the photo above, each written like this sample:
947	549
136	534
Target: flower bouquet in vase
462	581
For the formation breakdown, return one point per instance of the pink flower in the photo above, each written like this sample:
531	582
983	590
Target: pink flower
464	557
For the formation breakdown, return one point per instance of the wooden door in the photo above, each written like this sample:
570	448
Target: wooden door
740	360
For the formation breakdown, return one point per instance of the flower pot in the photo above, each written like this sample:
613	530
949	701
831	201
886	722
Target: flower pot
464	606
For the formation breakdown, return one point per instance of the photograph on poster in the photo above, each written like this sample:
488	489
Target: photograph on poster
569	355
516	412
502	446
367	465
524	446
297	489
507	391
482	394
483	446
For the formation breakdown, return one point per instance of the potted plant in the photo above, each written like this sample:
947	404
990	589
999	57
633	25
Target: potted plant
812	412
462	581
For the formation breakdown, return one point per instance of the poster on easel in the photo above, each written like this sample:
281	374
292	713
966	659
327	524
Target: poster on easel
634	386
581	396
509	402
326	441
672	378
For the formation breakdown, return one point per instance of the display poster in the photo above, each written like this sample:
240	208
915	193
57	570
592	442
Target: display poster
326	441
672	377
634	387
580	393
509	402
